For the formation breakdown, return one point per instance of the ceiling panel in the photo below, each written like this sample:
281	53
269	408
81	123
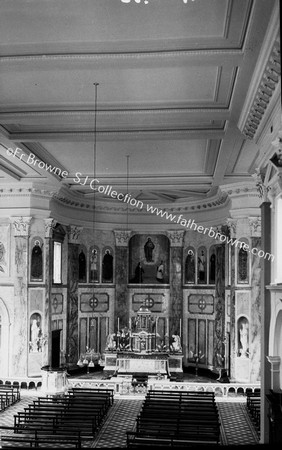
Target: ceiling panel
74	25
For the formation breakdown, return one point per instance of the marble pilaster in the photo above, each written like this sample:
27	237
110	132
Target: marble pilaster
175	310
255	331
265	318
219	301
49	226
72	305
21	227
121	276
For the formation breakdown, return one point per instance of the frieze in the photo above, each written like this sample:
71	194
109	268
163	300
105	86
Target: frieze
130	355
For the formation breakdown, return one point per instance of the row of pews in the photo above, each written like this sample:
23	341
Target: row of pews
253	406
176	419
60	422
9	395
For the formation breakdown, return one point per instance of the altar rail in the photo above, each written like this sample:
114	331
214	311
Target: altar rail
23	382
121	386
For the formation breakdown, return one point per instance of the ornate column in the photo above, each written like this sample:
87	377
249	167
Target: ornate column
255	332
72	349
121	277
176	294
49	226
21	227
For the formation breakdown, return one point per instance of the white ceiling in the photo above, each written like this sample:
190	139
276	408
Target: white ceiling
173	78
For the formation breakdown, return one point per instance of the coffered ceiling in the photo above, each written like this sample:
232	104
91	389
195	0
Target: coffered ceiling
173	78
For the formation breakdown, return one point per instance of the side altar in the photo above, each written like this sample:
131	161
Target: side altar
141	350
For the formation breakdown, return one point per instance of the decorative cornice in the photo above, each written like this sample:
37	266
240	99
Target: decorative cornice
26	192
75	200
264	83
21	225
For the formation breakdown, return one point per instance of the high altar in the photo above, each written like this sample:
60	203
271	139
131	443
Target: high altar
140	349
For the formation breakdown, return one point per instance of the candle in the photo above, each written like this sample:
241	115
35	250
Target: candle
118	324
180	328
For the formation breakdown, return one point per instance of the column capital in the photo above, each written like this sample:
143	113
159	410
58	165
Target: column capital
122	237
255	226
74	233
49	226
176	237
232	225
21	225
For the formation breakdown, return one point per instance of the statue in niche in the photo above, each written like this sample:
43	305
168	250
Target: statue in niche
202	267
148	250
243	266
94	266
212	268
36	267
82	266
2	257
35	344
243	335
190	267
107	267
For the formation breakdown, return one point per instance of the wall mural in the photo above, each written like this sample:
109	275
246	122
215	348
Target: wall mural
107	266
36	266
149	259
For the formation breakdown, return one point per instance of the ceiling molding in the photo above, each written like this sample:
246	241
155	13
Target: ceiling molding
78	136
127	55
264	81
14	114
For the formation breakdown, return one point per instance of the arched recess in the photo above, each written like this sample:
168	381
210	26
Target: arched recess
4	339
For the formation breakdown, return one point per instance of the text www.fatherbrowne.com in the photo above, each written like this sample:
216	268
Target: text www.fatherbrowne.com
108	190
192	225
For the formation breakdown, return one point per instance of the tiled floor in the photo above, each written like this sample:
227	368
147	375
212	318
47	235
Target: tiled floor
237	428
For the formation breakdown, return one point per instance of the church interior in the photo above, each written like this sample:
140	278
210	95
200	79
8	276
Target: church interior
141	209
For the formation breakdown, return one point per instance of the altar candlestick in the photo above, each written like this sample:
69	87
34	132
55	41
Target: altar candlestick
129	324
118	324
